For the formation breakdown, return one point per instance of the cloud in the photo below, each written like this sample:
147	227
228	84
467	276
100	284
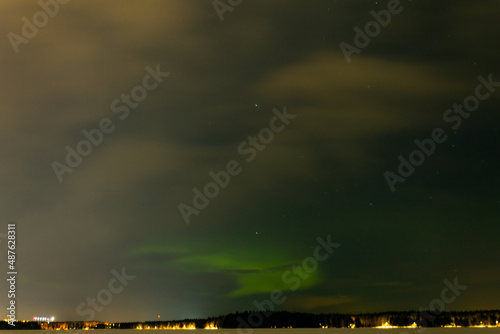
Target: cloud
357	100
316	176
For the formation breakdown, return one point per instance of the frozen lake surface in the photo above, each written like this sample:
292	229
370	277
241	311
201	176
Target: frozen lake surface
286	331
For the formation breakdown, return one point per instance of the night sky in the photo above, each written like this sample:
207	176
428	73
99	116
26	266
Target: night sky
323	171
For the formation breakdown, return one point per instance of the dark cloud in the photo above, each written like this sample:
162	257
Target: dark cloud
322	175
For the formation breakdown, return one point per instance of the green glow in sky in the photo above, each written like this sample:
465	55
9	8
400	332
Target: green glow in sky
253	270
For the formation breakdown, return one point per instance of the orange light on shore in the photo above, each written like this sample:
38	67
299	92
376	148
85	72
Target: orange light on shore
211	325
388	326
183	326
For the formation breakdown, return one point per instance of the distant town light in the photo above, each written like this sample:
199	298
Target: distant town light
43	319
